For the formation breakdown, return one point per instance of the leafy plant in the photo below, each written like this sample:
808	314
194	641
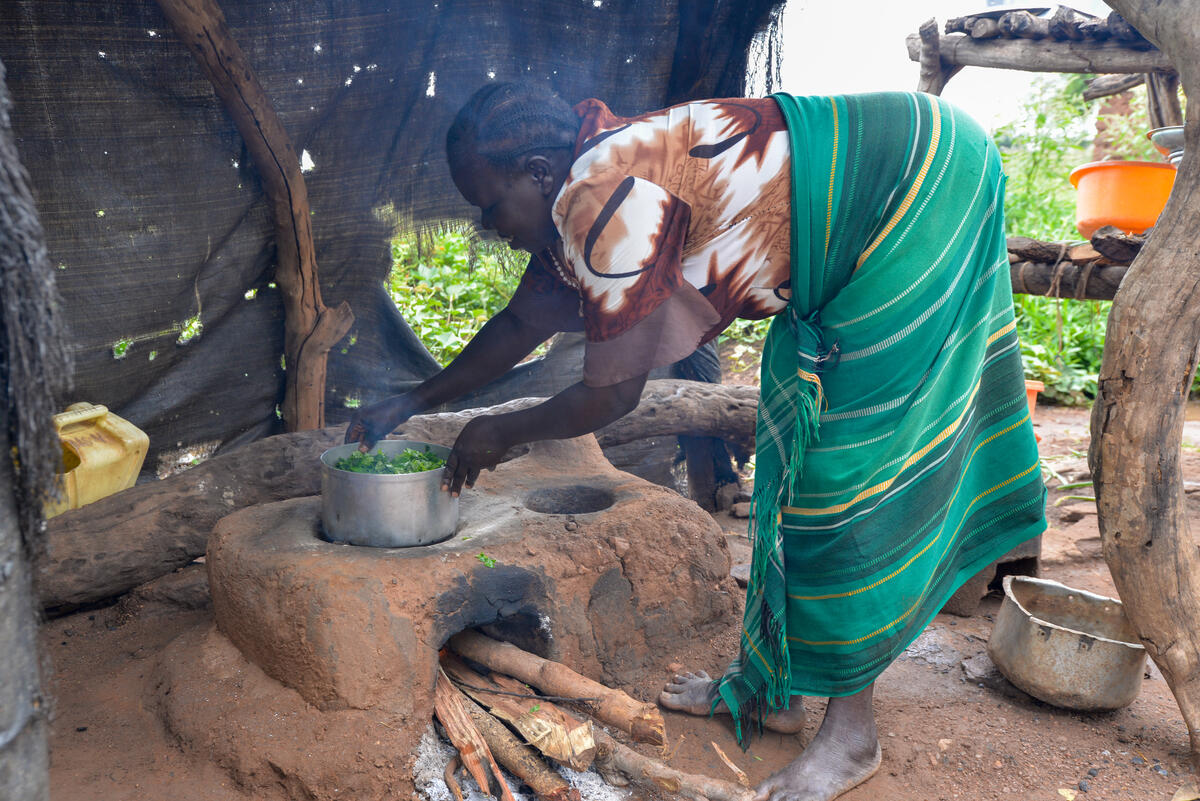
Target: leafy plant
486	560
449	285
1061	340
408	460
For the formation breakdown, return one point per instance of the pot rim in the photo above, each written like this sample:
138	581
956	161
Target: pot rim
1008	596
1093	166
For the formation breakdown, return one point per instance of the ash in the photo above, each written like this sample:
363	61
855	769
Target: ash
433	753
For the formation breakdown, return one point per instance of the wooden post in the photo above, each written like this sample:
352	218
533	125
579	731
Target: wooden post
310	329
1162	99
1150	356
934	73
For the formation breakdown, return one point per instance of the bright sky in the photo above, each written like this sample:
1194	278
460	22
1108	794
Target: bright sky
843	46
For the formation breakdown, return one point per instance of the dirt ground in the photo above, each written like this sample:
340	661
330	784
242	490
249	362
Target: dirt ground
951	727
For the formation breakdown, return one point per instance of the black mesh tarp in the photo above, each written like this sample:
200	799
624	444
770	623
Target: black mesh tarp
155	218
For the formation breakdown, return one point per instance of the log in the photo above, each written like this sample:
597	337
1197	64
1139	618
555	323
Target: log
1095	30
127	539
521	760
1138	415
451	709
1027	249
310	329
641	721
670	407
1023	25
960	24
1123	32
117	543
984	28
560	736
1081	282
1042	56
1108	85
1066	22
1117	245
653	775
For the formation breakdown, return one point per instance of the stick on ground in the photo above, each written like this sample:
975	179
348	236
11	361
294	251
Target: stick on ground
650	773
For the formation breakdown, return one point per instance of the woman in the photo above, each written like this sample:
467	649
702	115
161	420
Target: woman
895	455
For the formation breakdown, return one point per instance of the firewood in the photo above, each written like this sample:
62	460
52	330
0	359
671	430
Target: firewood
450	706
960	24
1023	25
1122	31
653	774
1116	244
547	728
1065	23
521	760
1095	30
448	776
641	721
984	28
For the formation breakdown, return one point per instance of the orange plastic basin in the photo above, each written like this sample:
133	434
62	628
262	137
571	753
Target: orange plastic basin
1127	194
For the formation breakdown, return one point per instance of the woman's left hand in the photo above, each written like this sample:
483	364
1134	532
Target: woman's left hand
481	445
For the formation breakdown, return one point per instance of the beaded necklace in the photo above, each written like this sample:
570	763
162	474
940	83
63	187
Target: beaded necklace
566	277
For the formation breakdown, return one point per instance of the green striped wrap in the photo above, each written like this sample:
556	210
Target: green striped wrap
895	453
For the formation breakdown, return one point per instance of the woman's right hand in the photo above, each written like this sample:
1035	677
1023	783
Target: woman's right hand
375	422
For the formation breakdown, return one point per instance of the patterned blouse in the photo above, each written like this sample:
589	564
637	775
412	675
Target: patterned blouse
673	224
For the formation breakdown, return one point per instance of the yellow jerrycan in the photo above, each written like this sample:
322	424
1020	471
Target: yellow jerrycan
102	454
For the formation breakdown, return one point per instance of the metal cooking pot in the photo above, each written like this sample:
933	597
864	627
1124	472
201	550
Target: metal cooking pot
1067	647
386	511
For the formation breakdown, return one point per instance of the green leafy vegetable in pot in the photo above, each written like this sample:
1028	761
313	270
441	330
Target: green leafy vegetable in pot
408	460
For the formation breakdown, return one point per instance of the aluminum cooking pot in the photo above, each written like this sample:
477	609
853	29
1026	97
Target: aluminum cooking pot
386	511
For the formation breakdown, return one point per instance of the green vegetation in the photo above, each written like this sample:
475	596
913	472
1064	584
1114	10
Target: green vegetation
487	560
189	329
449	285
408	460
1061	340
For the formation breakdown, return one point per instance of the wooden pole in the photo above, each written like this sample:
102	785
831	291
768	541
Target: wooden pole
1066	280
310	328
1162	99
1045	55
1150	354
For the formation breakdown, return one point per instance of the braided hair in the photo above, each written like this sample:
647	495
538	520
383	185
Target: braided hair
504	121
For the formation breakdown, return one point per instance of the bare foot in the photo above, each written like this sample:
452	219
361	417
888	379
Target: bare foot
693	693
844	754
